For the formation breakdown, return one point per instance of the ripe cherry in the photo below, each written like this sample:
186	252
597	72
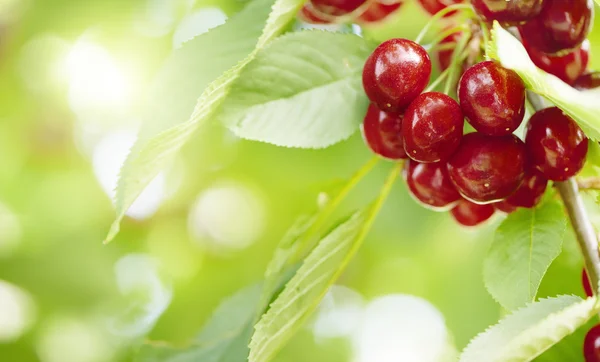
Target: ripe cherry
310	15
470	214
492	98
567	67
508	12
434	6
396	73
430	184
505	207
336	7
562	25
530	192
486	169
587	287
556	145
588	81
432	127
377	11
591	345
383	133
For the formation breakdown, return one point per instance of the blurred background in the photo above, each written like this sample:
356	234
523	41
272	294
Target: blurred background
73	76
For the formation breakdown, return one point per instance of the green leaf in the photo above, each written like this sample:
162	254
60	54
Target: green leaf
582	106
524	246
158	145
528	332
304	90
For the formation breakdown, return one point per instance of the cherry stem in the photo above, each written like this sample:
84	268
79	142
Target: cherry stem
460	53
589	183
443	35
580	220
439	15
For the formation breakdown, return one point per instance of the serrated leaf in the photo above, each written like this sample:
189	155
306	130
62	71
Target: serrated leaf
304	90
157	147
528	332
582	106
524	246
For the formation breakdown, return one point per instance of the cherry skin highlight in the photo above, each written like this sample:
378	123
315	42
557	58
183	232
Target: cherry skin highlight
568	67
486	169
591	345
382	132
492	98
508	12
585	281
396	73
530	192
588	81
561	26
556	145
430	185
336	7
467	213
377	12
432	127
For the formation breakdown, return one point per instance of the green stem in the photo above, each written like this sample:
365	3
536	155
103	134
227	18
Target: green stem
445	34
458	56
440	14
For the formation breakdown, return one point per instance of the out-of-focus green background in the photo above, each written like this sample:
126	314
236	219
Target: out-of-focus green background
73	75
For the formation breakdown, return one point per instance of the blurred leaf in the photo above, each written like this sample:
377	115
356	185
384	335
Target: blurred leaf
530	331
582	106
304	90
524	246
156	147
569	348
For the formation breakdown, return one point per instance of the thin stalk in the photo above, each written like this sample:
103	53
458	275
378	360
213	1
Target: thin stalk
459	54
440	14
444	35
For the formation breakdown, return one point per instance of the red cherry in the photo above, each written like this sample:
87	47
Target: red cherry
434	6
530	192
505	207
492	98
336	7
567	67
470	214
310	15
377	12
587	288
562	25
508	12
588	81
383	133
396	73
430	184
486	169
432	127
591	345
556	145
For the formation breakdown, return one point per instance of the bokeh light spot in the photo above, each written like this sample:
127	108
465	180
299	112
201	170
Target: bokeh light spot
17	312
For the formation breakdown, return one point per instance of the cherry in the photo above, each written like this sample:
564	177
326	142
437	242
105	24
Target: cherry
555	144
377	11
430	184
587	287
487	169
383	133
470	214
434	6
492	98
310	15
336	7
567	67
591	345
561	25
396	73
588	81
508	12
432	127
505	207
530	192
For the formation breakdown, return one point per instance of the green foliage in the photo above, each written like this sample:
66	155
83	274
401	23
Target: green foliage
280	96
582	106
157	147
530	331
524	246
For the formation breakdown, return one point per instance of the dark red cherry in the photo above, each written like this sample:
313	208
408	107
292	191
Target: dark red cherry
530	192
555	144
434	6
588	81
486	169
396	73
591	345
377	11
567	67
562	25
432	127
492	98
470	214
337	7
505	207
508	12
430	184
310	15
587	288
383	133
